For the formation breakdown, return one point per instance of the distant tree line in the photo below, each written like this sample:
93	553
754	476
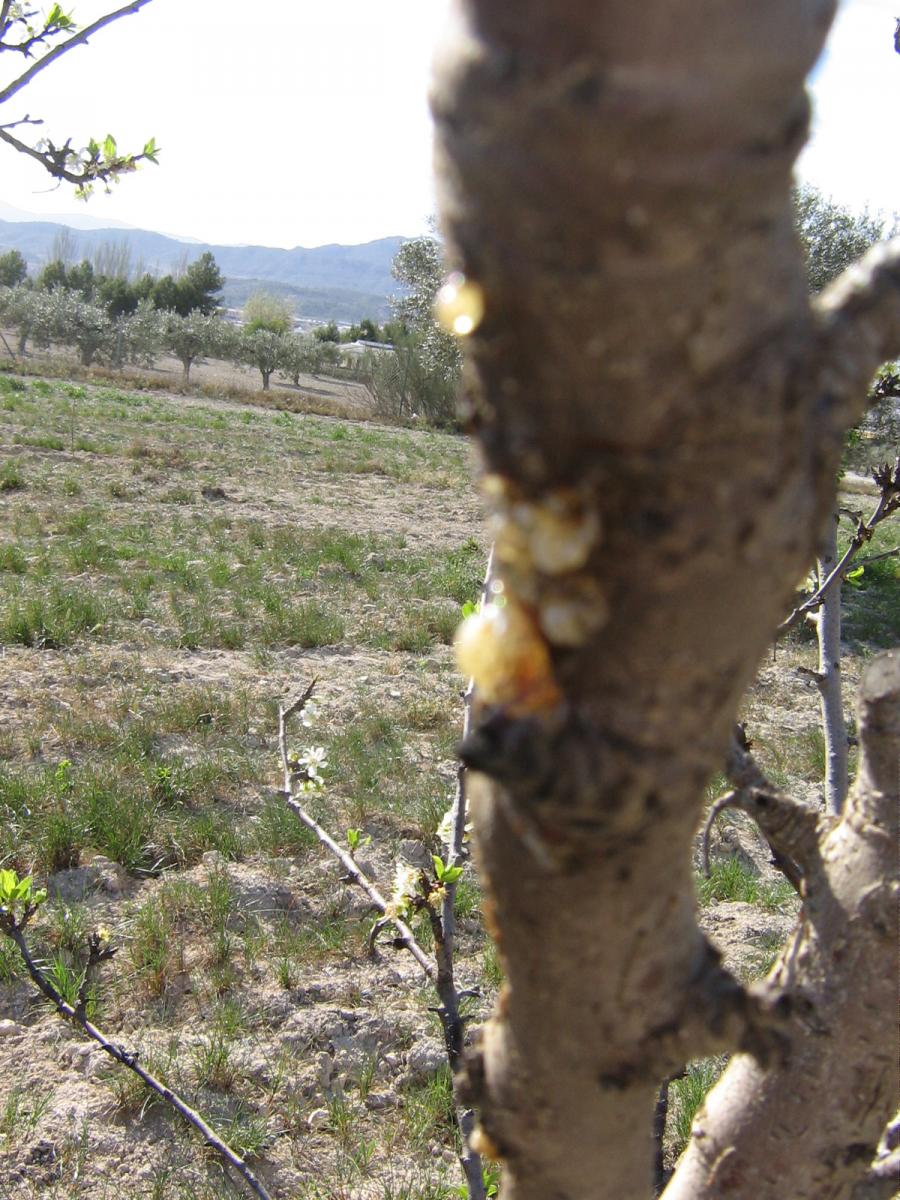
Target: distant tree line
114	315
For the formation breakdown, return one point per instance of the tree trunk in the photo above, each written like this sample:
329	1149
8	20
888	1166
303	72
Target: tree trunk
828	676
808	1128
660	413
266	375
186	363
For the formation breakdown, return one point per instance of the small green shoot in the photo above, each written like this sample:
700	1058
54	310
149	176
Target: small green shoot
443	874
18	894
356	839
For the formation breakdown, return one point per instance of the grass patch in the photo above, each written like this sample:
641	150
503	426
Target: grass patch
12	478
685	1098
53	618
730	879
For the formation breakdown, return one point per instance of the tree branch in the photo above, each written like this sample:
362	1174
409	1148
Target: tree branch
791	829
77	1014
888	479
844	1005
355	875
859	329
439	971
77	39
56	169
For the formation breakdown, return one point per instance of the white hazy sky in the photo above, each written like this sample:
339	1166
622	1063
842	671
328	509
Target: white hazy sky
309	122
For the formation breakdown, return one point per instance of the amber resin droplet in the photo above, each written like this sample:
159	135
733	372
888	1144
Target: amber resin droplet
503	650
459	305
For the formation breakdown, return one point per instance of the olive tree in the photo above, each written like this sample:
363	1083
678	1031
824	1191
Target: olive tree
260	348
833	236
660	408
74	321
192	337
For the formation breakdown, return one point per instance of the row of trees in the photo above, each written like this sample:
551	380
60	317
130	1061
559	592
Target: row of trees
196	289
64	317
112	318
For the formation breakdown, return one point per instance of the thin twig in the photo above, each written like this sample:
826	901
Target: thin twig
440	969
454	1031
354	874
77	39
715	812
888	479
14	929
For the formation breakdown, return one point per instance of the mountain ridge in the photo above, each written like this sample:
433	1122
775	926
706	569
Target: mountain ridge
309	274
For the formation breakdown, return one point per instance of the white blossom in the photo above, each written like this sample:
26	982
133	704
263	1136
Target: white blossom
313	760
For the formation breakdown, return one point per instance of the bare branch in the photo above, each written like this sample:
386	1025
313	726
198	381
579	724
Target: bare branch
26	120
870	558
791	829
15	930
859	320
354	874
439	971
888	479
77	39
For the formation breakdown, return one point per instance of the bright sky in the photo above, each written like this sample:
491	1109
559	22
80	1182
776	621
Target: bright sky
309	124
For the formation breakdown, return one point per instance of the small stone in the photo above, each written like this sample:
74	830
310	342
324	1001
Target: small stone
318	1118
9	1028
379	1101
424	1060
415	853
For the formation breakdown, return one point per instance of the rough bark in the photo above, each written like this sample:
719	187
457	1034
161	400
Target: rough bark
811	1127
616	182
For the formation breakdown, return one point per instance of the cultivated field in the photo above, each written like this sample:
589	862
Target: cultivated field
171	567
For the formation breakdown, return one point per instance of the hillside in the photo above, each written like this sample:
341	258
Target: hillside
341	282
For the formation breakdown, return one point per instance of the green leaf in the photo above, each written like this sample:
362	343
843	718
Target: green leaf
22	890
8	882
451	874
469	609
109	147
57	19
855	575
